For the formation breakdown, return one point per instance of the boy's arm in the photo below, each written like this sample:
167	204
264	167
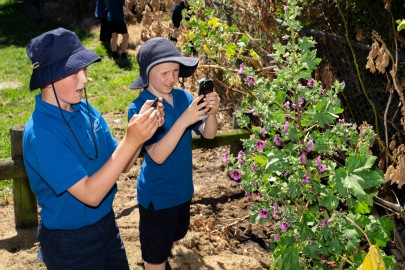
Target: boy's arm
209	129
160	150
92	190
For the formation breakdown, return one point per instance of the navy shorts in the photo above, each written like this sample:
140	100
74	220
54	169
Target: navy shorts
118	27
159	229
98	246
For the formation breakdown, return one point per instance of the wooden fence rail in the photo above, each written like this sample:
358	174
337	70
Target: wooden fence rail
25	204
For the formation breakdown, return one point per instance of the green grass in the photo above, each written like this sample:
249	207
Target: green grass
108	89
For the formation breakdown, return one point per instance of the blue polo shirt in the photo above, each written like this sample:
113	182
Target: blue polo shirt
54	162
171	183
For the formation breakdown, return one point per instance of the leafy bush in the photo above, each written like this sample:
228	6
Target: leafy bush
309	171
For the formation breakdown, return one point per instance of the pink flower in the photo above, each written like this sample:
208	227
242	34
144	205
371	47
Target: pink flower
263	213
310	146
303	158
287	105
285	7
276	237
277	140
235	175
250	80
285	128
310	83
318	160
263	132
241	68
260	145
283	226
225	157
324	223
322	169
301	101
306	180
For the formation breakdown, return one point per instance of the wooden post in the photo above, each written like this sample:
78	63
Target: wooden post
25	203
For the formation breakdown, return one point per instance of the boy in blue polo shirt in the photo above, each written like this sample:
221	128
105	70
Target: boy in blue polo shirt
72	159
165	183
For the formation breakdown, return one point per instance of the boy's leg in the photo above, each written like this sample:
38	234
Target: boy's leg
114	45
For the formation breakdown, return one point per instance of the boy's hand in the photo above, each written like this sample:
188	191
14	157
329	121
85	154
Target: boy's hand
159	107
142	126
193	113
212	101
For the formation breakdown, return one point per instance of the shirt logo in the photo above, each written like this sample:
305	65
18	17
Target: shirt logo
96	125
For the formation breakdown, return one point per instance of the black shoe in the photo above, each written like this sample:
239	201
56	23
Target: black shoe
115	55
125	56
168	267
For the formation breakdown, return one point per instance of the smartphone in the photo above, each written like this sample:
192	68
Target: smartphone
206	86
154	104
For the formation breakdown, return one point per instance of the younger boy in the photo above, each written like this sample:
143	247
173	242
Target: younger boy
165	183
72	159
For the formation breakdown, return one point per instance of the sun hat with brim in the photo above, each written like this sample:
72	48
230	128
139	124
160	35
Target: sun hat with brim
160	50
55	55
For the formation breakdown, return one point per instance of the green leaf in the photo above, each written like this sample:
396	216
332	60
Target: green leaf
330	201
401	24
357	163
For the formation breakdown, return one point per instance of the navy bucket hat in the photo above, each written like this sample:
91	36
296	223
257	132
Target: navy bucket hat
159	50
55	55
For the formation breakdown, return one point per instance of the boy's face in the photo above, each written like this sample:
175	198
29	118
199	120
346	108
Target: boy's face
70	89
163	77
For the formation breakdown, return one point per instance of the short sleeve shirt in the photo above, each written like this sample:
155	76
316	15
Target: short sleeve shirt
171	183
55	162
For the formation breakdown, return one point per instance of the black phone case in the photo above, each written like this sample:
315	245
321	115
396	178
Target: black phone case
206	86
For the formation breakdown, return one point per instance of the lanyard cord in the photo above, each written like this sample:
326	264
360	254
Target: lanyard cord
71	129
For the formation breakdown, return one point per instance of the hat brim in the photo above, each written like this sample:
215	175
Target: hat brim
42	76
188	65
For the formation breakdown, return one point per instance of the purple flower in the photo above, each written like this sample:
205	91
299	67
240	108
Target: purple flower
240	154
324	223
263	213
285	128
322	169
241	68
287	105
293	106
310	145
248	195
343	84
272	62
301	101
276	237
283	226
285	7
275	208
235	175
318	160
277	140
341	121
225	157
306	180
303	158
284	37
250	80
310	83
253	168
263	132
260	145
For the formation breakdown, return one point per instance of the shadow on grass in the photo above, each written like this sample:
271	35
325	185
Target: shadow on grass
17	28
